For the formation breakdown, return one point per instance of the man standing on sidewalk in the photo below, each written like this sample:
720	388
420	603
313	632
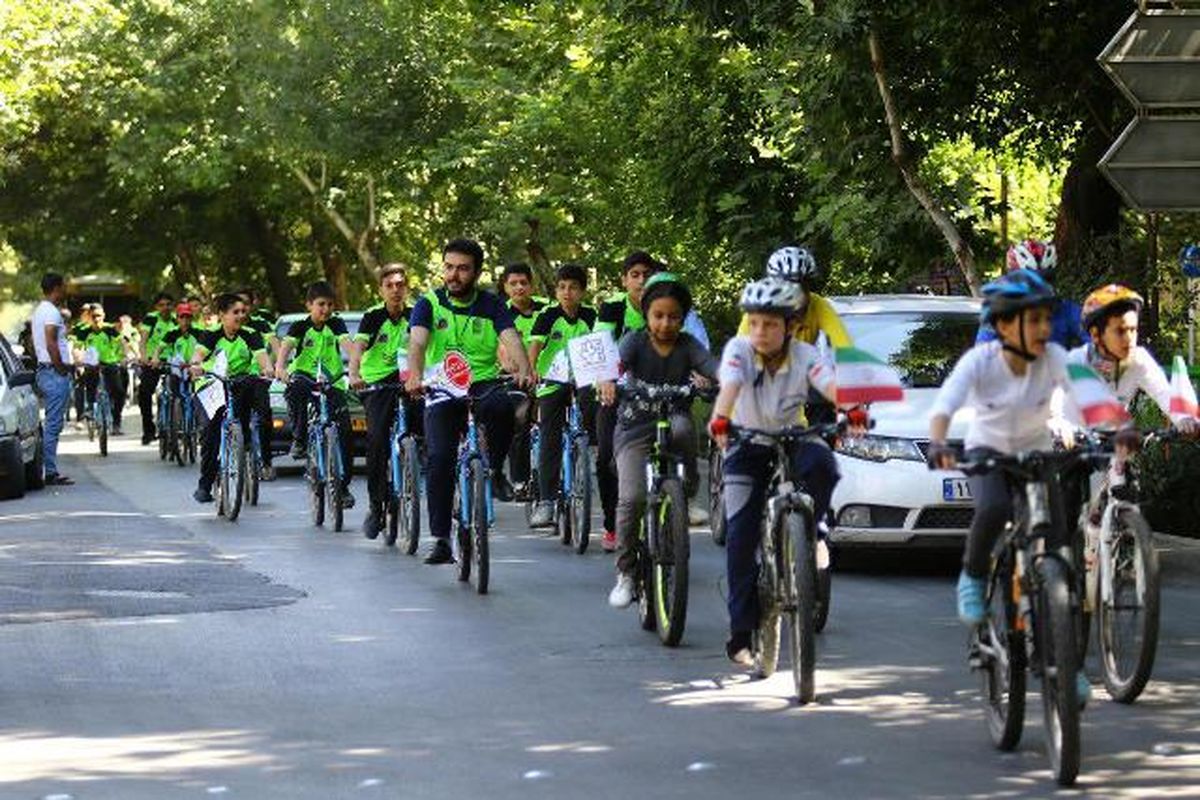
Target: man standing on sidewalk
53	368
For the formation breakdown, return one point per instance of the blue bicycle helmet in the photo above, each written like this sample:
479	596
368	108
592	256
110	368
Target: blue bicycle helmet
1189	259
1014	292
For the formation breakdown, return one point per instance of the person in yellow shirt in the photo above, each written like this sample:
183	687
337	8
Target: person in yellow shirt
796	264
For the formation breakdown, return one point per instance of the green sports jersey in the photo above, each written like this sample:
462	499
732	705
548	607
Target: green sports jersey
317	346
553	329
524	322
386	340
178	344
471	328
620	316
106	340
241	350
157	327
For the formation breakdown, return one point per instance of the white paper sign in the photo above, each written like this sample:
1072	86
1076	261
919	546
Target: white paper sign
451	377
220	364
91	358
212	397
594	358
560	369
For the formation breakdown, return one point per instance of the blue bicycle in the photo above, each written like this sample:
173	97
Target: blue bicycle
182	417
404	477
573	506
325	468
231	452
100	421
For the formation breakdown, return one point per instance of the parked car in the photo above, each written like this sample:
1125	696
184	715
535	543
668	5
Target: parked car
21	454
281	426
887	495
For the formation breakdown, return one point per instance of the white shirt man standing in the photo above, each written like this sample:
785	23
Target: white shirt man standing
49	333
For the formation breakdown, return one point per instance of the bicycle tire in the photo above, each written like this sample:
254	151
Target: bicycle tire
671	565
1004	660
253	468
802	635
644	577
462	535
334	479
766	637
316	489
532	495
824	598
479	527
179	435
1127	670
716	500
409	509
235	472
1055	621
163	424
581	496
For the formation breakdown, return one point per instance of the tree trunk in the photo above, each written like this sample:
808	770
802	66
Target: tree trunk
538	260
909	171
275	260
332	263
187	272
364	241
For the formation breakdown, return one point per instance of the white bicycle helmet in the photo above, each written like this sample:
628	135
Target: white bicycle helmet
1036	256
773	296
793	264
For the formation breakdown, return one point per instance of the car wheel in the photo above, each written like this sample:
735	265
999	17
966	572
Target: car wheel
35	471
12	465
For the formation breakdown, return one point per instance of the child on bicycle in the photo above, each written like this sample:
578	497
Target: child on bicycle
242	348
319	342
766	374
661	353
548	338
177	344
106	340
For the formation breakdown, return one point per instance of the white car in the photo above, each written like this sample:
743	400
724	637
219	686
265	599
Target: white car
20	427
887	495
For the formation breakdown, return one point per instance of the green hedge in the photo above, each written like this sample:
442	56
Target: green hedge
1170	478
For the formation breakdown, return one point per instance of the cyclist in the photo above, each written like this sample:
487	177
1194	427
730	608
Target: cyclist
460	317
817	315
382	339
517	284
766	376
241	349
619	315
154	327
318	341
178	343
1042	257
263	323
548	338
110	351
660	354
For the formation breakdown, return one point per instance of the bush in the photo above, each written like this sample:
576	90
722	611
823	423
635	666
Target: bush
1170	498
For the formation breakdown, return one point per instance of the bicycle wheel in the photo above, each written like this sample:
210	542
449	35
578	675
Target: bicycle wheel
1055	622
234	476
178	432
766	638
316	487
102	435
532	495
163	427
1127	621
479	527
462	532
671	563
800	569
581	496
716	503
253	468
336	477
1000	645
823	599
409	510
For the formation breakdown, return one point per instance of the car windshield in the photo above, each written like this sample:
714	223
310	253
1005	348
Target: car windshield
923	346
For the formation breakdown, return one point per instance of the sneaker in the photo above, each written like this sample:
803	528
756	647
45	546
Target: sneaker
439	552
822	554
267	473
697	514
521	493
609	543
1083	689
622	593
501	489
737	649
970	599
299	451
202	495
543	515
347	498
373	524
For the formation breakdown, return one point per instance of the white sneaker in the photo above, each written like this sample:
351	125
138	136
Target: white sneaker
822	554
622	594
697	514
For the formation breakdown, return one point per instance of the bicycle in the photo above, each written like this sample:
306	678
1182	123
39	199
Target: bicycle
1033	610
100	422
231	451
573	505
183	416
167	444
1121	580
324	469
716	487
789	581
472	506
404	478
663	546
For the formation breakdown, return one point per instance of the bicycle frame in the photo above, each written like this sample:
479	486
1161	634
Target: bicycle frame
468	449
574	429
318	422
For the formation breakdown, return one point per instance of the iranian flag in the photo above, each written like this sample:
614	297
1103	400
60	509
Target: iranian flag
863	378
1096	402
1183	394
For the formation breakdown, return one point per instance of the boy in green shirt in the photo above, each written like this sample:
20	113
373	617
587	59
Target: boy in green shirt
548	338
106	340
517	283
318	341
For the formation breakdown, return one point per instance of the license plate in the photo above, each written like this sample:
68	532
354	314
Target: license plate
358	425
956	489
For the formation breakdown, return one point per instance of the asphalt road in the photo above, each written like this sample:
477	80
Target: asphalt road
153	651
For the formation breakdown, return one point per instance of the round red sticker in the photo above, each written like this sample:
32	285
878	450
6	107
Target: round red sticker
458	371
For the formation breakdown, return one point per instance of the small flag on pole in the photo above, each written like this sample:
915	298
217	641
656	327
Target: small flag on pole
1183	394
863	378
1097	404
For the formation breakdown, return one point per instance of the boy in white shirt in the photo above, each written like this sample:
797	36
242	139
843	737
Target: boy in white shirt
765	379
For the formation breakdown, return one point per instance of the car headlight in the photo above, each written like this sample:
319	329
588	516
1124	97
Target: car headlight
879	448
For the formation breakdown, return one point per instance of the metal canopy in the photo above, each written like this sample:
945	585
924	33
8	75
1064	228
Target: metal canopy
1155	59
1155	164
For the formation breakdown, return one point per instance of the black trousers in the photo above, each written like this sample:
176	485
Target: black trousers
112	382
380	407
210	439
147	384
606	465
518	459
552	421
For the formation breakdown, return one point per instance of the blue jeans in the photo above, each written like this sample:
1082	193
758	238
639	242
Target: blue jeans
56	392
748	469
